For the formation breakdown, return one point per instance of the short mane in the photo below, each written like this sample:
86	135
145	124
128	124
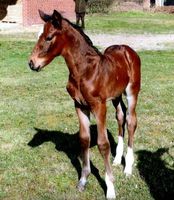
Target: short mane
86	38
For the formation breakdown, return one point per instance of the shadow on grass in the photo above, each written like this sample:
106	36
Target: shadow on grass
154	170
70	145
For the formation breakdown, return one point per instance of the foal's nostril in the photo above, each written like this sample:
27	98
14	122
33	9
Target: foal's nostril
33	67
31	64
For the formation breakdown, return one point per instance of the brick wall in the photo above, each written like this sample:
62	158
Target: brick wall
30	9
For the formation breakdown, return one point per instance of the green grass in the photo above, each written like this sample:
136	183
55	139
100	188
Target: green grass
36	109
131	22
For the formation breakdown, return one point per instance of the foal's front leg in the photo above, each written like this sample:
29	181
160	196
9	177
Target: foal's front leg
99	111
84	122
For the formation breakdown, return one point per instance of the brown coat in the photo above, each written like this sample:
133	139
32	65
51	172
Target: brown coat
94	78
80	6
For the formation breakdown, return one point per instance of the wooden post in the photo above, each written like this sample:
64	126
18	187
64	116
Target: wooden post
159	3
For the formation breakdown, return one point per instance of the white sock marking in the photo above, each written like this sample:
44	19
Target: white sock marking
110	194
119	151
83	181
129	161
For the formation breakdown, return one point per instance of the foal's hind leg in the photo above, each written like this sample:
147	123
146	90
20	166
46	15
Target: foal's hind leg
131	120
121	119
83	116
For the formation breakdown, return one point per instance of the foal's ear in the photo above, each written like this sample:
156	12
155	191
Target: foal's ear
44	16
57	19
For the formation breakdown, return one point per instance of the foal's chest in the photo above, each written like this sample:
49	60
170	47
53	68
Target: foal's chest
73	88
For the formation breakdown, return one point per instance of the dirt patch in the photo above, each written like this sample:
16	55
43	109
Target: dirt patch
136	41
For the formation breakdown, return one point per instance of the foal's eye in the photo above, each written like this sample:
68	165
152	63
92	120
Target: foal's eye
49	38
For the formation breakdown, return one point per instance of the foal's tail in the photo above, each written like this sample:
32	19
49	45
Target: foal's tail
134	65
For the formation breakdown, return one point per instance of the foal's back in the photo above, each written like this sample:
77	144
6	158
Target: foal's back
124	58
120	67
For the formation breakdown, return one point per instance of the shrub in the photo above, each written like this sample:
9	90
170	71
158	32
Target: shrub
99	6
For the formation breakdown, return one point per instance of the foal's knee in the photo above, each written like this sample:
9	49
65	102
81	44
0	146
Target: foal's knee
85	142
104	147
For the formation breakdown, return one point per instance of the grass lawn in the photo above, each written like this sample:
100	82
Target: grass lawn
131	22
39	126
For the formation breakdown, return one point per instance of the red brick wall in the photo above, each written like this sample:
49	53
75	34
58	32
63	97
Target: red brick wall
30	9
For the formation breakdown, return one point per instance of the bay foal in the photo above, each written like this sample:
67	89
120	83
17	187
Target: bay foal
94	78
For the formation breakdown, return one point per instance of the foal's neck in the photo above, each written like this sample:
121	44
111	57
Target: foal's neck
79	53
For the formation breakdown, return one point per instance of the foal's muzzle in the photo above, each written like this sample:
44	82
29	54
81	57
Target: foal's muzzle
32	66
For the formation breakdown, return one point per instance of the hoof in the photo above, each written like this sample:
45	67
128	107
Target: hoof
81	185
110	194
128	172
117	161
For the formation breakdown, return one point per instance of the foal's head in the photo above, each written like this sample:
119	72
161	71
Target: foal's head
50	43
